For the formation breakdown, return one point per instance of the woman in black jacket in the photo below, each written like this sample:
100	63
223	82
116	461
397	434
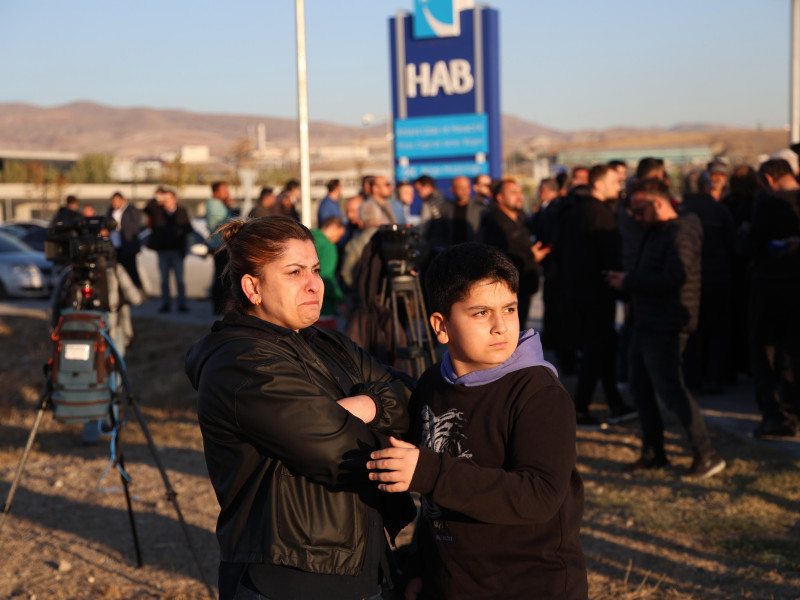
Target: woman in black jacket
289	412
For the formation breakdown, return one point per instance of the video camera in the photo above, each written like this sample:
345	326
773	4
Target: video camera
400	248
82	247
79	241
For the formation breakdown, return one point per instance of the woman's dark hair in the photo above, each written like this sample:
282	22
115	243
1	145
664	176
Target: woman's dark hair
251	245
451	275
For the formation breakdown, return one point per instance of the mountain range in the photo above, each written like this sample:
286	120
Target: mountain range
84	127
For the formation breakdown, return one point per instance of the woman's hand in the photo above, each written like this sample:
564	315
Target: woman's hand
413	588
397	465
362	406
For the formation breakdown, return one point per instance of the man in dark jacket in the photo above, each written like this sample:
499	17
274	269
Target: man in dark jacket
125	236
170	228
774	242
708	348
665	299
504	227
433	223
69	212
589	245
464	212
557	326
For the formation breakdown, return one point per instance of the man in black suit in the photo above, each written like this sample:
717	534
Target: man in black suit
588	246
125	237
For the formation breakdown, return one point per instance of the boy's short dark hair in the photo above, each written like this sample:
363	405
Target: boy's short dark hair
451	275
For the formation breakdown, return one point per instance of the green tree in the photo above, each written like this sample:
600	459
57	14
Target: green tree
91	168
273	177
14	171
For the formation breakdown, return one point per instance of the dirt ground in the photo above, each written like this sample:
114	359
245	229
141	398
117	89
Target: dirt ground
68	535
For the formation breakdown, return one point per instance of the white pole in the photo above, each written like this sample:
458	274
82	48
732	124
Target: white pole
795	62
302	102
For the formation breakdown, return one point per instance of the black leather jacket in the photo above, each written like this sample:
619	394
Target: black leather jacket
286	461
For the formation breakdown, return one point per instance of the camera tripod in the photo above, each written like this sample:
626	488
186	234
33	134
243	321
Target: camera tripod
411	334
119	374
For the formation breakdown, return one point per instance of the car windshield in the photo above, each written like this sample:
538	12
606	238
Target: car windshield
11	244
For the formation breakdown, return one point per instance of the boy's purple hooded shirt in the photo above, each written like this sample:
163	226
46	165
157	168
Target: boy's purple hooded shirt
528	354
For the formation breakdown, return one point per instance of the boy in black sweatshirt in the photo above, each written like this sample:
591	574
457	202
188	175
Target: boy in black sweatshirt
502	499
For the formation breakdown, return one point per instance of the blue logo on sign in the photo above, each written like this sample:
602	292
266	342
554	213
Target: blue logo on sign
435	19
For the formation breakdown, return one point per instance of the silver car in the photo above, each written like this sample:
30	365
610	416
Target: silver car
198	268
24	272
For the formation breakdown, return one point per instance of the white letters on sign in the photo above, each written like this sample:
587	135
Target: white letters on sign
452	77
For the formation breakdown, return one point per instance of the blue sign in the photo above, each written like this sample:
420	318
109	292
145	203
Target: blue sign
435	19
434	137
441	170
446	94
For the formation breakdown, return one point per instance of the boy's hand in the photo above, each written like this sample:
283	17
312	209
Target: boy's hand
413	588
397	465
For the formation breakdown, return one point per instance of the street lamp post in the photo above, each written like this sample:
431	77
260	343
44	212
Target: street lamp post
302	102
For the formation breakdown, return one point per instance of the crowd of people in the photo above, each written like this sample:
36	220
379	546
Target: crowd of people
727	257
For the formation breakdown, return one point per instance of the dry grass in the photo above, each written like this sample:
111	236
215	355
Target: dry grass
645	537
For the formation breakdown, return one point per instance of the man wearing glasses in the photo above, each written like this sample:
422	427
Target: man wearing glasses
665	298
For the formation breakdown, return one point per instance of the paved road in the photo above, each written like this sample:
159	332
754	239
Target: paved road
734	410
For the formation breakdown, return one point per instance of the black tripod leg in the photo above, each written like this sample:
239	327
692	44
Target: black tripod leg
130	510
44	402
171	495
428	331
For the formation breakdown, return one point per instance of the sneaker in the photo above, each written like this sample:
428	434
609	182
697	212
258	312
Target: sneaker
705	466
622	414
588	422
647	464
164	308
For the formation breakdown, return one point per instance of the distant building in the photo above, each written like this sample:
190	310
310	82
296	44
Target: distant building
676	155
61	161
195	154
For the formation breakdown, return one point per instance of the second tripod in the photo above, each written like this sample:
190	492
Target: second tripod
413	345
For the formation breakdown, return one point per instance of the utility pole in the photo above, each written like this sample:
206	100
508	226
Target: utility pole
302	102
794	109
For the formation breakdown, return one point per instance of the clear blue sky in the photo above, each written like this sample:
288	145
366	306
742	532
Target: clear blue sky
569	64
